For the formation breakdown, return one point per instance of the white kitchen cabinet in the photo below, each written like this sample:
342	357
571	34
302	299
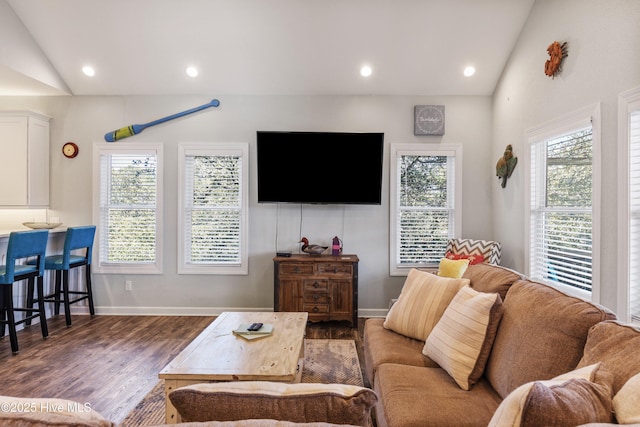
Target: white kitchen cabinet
24	159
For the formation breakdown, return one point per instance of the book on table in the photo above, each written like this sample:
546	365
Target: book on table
244	332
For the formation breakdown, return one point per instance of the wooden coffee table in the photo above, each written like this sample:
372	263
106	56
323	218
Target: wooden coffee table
217	354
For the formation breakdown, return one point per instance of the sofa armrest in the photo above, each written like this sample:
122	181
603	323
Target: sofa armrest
301	402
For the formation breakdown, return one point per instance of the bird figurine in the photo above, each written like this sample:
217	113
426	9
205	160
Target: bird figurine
506	164
311	249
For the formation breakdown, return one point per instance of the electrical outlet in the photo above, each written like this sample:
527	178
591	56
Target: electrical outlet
128	285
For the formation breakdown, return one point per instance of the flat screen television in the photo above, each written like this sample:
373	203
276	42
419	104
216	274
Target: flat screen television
320	167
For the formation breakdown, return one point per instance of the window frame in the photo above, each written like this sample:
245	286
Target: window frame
628	102
212	149
420	149
563	125
154	149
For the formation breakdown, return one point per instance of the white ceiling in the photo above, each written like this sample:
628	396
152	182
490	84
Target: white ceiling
142	47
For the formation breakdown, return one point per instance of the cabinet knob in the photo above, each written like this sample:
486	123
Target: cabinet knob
316	285
316	297
315	309
296	270
335	269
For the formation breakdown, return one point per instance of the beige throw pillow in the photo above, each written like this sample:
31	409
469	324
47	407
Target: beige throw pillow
461	341
626	403
578	397
301	402
421	303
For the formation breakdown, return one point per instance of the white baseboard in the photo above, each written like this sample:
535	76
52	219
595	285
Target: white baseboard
372	312
195	311
166	311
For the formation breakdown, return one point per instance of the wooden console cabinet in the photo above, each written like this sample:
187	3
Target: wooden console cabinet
324	286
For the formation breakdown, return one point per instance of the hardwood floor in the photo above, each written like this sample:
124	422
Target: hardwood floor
112	362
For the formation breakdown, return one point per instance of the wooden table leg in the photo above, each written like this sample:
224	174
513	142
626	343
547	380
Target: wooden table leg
171	414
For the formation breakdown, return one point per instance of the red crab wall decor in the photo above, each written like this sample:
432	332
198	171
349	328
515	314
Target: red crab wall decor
557	52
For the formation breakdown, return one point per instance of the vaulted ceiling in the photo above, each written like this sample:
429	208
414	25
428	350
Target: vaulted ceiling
282	47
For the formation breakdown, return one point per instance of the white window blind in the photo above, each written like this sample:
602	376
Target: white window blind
129	209
214	209
425	206
634	218
561	229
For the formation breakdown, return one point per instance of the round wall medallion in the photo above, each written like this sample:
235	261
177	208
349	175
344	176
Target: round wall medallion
70	150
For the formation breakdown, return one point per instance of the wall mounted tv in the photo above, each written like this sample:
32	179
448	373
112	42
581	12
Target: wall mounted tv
320	167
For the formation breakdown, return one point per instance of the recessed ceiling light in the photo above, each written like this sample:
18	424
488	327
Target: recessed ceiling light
365	71
88	71
192	71
469	71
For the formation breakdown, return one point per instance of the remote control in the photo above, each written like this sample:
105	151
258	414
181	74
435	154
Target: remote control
254	327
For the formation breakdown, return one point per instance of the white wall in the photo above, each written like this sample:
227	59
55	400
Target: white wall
364	229
603	61
23	60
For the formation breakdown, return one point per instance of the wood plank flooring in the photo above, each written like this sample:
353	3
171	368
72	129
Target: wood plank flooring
112	362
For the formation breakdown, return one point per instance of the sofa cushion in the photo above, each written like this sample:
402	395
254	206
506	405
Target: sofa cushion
541	335
578	397
626	403
45	412
412	396
252	423
461	341
384	346
301	402
606	425
452	268
491	278
616	345
423	299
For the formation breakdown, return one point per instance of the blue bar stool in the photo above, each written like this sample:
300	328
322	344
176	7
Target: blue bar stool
23	244
77	238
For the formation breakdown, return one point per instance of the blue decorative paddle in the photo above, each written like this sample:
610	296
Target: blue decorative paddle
136	129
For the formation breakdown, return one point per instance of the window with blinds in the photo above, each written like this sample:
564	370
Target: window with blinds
425	204
129	209
634	214
213	213
561	209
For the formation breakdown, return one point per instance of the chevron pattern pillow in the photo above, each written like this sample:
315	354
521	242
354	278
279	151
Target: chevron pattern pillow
489	249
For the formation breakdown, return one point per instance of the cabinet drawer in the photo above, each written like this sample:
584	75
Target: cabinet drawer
316	298
287	268
316	285
335	268
316	308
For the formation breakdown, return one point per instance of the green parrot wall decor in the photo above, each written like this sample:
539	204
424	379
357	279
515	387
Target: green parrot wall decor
506	164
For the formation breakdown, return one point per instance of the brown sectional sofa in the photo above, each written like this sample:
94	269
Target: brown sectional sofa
542	334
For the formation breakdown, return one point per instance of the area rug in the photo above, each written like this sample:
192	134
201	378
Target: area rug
325	361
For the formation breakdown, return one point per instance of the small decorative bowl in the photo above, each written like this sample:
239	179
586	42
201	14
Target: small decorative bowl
42	225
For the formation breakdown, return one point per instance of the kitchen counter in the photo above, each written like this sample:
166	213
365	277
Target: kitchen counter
4	232
55	244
